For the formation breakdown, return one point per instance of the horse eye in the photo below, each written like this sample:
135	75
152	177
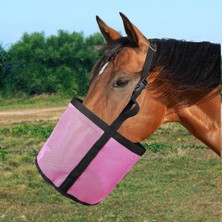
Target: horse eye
121	83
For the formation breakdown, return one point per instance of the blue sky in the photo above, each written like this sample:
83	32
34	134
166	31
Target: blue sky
195	20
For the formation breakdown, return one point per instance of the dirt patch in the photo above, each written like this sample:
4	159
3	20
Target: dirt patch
26	115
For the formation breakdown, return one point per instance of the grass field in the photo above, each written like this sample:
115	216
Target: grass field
178	179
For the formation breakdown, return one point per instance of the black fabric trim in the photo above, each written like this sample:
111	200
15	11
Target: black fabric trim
134	147
58	189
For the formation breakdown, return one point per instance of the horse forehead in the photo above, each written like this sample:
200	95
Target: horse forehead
128	55
128	59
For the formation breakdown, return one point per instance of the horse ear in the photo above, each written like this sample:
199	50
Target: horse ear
109	33
133	33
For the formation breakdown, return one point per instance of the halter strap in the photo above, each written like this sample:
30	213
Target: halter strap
145	73
132	108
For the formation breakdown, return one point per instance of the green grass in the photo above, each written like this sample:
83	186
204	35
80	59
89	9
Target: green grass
30	130
176	180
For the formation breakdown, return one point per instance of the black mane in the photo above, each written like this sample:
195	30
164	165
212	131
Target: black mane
189	64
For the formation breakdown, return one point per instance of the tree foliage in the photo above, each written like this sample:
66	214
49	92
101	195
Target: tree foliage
4	65
56	64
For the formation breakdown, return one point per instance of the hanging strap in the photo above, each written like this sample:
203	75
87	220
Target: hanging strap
145	73
132	108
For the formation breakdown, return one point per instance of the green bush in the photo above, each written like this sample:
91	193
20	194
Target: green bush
56	64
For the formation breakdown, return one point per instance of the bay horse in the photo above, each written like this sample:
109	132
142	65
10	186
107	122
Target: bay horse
183	85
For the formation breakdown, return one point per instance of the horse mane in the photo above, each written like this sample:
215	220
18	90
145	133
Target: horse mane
185	67
182	65
193	65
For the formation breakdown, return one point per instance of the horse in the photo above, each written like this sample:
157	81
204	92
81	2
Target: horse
183	84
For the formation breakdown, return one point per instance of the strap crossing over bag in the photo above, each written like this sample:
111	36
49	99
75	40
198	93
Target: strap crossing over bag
84	158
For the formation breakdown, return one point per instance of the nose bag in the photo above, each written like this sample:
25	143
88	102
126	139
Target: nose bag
78	168
84	158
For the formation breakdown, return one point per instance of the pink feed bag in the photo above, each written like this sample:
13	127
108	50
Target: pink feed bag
82	159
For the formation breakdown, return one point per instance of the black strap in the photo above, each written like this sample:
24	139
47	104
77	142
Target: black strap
148	61
86	160
146	71
131	109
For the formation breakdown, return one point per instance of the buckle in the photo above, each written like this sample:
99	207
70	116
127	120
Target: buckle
139	88
142	84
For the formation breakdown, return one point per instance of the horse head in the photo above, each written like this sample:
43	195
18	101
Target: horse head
116	75
184	81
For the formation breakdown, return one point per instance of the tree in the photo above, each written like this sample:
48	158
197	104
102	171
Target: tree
5	67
